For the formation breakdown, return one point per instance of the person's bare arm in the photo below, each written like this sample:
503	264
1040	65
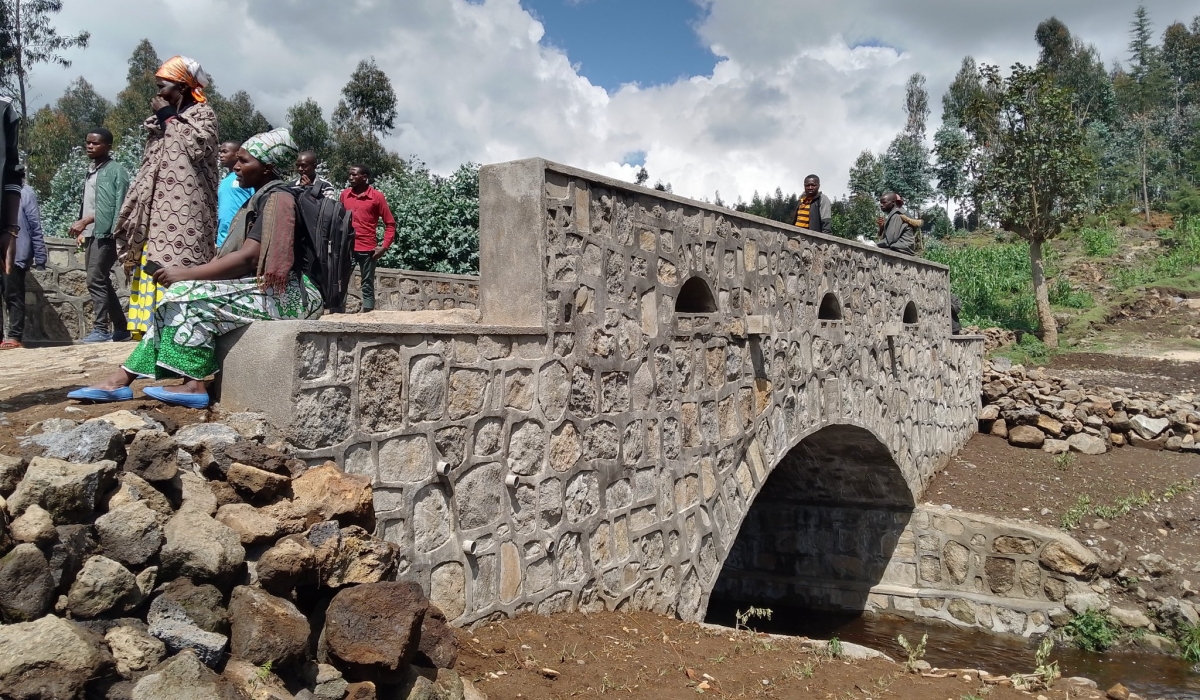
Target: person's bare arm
242	263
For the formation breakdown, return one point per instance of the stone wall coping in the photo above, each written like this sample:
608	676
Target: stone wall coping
1006	526
384	328
1019	604
728	213
968	338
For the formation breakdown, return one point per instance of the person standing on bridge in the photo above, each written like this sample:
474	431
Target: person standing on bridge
814	210
368	207
896	232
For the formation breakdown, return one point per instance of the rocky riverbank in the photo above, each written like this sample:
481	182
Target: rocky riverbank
1038	409
149	561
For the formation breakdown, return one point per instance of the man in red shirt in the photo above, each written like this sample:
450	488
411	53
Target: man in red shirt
367	206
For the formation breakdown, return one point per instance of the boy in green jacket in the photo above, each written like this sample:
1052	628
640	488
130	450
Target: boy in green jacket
103	193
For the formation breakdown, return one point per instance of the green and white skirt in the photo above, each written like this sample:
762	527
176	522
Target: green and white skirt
182	339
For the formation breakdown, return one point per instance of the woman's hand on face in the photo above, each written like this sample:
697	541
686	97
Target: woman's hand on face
158	102
166	276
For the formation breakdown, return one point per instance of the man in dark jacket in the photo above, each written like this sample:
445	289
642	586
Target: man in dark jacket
895	231
30	253
814	211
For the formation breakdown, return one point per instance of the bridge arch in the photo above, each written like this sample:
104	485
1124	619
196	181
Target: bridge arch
822	527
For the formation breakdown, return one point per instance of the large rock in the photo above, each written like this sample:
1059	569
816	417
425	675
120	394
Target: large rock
254	484
266	629
26	587
293	560
131	534
439	645
328	493
253	526
49	658
1026	436
1066	556
1155	564
178	636
132	487
1147	427
1130	617
255	682
11	471
184	677
128	422
351	555
134	650
201	548
207	443
102	585
70	492
75	544
1088	444
198	494
153	455
1179	614
183	601
265	458
36	526
372	631
83	444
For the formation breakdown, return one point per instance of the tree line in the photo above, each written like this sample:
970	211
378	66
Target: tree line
437	216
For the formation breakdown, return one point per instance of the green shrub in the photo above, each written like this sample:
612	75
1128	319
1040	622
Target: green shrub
1028	351
1093	631
1063	294
1099	242
437	218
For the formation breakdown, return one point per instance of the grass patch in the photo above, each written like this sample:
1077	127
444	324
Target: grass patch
1083	506
1099	242
1182	257
1093	631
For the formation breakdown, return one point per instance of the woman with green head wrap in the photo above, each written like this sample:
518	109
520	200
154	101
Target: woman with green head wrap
256	276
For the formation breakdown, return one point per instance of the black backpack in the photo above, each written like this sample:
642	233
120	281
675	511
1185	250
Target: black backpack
328	239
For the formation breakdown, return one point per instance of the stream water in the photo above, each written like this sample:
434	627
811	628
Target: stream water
1148	674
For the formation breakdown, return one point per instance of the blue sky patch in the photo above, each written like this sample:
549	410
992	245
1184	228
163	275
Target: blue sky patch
649	42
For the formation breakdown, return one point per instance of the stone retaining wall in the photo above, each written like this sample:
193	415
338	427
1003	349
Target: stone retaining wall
592	445
60	310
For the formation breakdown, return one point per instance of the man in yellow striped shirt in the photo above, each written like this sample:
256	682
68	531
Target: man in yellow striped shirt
814	211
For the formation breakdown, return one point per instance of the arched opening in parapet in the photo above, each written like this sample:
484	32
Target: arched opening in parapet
822	532
910	313
830	309
695	298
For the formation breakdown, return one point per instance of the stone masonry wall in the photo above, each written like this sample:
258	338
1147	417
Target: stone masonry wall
604	456
60	310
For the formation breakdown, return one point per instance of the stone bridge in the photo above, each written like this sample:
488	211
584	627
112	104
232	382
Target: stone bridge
658	401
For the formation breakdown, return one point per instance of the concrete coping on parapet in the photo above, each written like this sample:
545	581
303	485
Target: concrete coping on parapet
388	328
791	231
968	337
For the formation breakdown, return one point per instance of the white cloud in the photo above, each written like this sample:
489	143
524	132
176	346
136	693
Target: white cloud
476	81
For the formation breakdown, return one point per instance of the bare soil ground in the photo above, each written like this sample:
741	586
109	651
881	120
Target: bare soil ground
642	655
1140	373
34	383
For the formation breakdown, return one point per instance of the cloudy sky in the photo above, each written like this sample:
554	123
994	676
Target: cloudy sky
711	95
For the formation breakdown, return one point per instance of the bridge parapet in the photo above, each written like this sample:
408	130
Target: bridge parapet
641	364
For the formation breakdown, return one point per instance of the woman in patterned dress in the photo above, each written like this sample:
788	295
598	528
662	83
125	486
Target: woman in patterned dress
169	217
255	277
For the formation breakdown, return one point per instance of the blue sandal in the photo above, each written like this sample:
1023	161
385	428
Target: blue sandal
176	398
88	393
